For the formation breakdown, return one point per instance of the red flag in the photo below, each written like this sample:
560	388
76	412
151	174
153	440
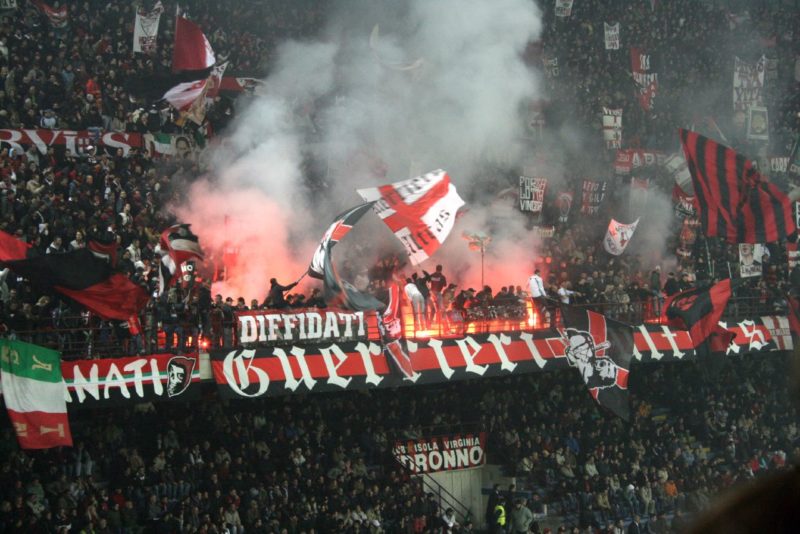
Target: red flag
192	50
699	310
734	201
12	248
114	298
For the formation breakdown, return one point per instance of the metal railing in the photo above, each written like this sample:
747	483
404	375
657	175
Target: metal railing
86	336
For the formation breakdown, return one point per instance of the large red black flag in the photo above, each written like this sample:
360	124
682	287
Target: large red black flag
601	349
734	201
81	275
699	311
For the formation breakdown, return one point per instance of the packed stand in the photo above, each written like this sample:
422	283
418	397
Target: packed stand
324	462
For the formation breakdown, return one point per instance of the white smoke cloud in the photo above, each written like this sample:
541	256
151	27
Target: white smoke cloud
438	85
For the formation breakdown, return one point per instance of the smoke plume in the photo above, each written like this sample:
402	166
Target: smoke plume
385	92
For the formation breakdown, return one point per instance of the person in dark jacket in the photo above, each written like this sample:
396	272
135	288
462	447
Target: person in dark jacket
671	285
275	298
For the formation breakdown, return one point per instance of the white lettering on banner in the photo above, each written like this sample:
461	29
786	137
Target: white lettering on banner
366	353
754	335
444	367
312	325
71	139
469	357
527	337
247	329
412	348
498	342
327	356
655	354
242	371
444	453
290	382
671	337
115	378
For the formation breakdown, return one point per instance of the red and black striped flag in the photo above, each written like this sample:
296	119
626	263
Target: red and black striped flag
699	311
601	349
734	201
82	275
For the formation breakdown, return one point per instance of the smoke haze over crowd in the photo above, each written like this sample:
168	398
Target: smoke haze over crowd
400	90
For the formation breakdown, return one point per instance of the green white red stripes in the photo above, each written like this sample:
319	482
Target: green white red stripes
34	395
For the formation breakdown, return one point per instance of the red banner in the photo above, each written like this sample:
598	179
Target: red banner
296	368
75	142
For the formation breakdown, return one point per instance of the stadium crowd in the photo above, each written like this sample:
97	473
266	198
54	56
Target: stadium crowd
323	463
77	78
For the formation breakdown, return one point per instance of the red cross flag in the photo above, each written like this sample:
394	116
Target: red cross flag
420	211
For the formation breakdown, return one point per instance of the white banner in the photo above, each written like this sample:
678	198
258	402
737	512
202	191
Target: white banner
612	127
145	30
563	8
612	36
8	4
748	84
618	236
750	259
677	167
550	66
531	193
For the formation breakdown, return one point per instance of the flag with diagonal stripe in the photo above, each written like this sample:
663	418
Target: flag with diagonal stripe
337	230
420	211
735	202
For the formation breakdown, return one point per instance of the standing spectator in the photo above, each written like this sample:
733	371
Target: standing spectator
438	283
671	285
538	293
275	299
521	518
417	302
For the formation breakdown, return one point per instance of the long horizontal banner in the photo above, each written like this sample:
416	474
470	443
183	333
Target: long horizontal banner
132	379
441	453
296	368
309	325
74	141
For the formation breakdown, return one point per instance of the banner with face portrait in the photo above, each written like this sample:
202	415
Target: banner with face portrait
750	259
757	124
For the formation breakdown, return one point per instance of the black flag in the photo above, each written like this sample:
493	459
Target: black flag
601	349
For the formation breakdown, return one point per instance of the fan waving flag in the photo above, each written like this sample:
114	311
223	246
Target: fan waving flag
420	211
33	390
601	349
735	202
178	245
337	230
181	244
337	291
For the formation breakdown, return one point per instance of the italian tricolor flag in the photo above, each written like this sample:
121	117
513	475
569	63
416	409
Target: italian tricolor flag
34	395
